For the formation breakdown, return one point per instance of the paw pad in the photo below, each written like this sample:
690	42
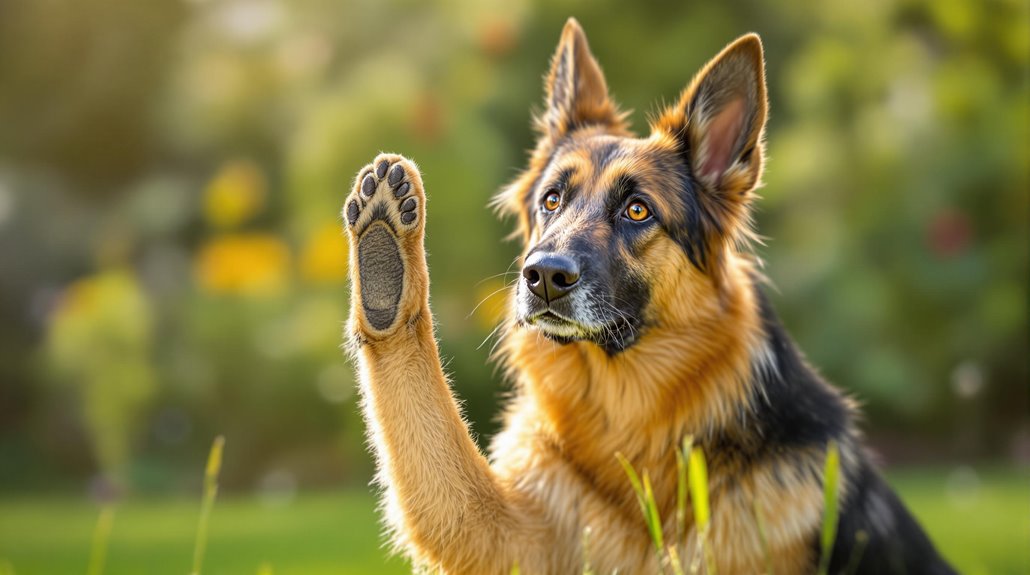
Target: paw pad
352	212
382	258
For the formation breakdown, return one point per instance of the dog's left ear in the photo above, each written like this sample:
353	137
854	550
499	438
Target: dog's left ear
719	119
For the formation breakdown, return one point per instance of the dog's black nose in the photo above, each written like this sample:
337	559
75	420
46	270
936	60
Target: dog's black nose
550	275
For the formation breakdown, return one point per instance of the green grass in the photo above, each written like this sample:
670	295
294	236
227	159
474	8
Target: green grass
985	533
318	533
338	532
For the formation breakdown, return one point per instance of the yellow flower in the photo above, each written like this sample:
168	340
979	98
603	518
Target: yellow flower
109	303
252	264
324	259
235	194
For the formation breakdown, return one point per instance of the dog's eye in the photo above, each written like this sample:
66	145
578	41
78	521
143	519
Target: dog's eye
551	201
638	212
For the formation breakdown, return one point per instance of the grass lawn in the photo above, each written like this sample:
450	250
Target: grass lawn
983	529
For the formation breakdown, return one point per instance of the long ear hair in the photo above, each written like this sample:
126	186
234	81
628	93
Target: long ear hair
575	97
718	126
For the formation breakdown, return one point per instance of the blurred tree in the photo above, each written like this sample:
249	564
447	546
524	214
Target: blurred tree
78	84
99	346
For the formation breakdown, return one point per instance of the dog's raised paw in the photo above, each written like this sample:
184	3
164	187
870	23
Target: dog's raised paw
384	215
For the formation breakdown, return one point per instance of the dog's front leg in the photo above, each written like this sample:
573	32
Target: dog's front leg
443	503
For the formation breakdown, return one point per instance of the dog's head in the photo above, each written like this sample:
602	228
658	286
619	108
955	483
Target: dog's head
616	227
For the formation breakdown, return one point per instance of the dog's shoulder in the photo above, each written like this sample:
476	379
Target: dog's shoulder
796	410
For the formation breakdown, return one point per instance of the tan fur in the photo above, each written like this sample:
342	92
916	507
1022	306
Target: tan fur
552	481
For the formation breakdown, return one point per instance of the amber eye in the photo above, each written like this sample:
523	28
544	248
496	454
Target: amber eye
638	212
551	201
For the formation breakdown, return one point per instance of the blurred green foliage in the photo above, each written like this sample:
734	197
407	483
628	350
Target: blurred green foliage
100	339
193	157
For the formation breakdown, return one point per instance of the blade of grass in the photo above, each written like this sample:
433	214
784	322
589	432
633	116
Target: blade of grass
214	466
674	558
101	537
634	480
681	488
654	520
861	539
682	454
697	472
648	507
763	538
831	480
587	569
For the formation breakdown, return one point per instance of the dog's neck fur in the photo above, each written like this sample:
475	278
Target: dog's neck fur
696	373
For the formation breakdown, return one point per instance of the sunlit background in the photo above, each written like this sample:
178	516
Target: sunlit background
172	266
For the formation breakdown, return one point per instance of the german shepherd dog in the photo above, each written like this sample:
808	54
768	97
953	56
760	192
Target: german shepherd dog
638	320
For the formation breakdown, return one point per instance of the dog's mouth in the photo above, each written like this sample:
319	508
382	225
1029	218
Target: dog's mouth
557	326
552	317
614	336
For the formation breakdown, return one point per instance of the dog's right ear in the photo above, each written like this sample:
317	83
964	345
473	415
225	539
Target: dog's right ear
717	127
576	93
575	96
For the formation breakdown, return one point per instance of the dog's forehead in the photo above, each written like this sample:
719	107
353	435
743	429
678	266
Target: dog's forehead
596	166
595	158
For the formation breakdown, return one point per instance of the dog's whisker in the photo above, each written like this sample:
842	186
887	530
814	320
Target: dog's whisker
488	296
488	278
506	272
502	325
